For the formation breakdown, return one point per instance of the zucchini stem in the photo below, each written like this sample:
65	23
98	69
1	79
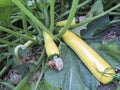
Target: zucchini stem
27	44
70	18
52	3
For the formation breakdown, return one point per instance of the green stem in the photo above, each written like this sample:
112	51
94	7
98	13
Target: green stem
7	36
25	27
46	16
7	42
40	77
4	69
115	21
9	85
70	18
15	28
45	12
32	17
29	75
16	33
52	3
6	45
80	5
114	13
62	9
3	46
36	4
96	17
15	20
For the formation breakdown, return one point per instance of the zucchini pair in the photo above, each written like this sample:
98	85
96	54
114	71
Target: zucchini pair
94	62
52	52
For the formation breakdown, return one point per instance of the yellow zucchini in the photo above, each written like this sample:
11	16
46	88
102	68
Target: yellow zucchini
51	48
52	52
74	22
94	62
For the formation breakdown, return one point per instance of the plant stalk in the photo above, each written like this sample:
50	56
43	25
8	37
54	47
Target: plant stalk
16	33
8	42
32	17
25	27
52	3
70	18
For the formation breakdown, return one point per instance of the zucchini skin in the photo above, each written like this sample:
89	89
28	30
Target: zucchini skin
94	62
50	46
62	23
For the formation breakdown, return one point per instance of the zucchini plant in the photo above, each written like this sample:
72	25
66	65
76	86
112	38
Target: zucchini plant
84	68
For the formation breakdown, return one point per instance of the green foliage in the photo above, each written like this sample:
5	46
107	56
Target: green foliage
6	7
5	3
98	7
95	28
21	20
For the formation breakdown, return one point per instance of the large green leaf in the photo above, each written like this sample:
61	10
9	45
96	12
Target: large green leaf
74	75
95	28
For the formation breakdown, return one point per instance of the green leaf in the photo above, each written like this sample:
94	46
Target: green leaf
112	51
118	88
46	86
22	52
98	7
95	28
78	29
74	75
29	86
